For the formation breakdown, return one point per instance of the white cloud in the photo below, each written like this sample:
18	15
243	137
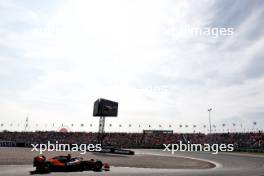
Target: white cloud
129	51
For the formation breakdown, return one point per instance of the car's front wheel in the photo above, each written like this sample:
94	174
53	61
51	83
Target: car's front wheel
98	166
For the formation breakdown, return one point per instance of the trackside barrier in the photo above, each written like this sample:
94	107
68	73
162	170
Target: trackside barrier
250	150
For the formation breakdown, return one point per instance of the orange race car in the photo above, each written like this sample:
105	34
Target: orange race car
67	164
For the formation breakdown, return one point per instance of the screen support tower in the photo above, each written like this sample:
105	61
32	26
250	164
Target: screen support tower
101	129
104	108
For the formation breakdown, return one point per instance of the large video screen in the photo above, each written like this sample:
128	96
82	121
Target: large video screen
103	107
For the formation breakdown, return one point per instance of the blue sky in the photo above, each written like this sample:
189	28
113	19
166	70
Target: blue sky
58	57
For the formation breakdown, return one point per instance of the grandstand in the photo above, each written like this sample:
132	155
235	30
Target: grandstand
242	141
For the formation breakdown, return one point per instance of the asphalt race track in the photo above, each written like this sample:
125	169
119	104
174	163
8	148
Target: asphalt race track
226	164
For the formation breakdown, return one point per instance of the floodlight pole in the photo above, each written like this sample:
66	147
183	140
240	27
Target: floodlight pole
210	128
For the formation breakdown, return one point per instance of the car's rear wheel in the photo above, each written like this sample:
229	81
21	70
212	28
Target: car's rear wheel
46	167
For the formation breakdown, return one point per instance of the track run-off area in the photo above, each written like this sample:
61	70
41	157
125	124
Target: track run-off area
224	164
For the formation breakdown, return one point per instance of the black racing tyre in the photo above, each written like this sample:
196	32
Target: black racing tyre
98	166
85	166
81	168
46	167
38	168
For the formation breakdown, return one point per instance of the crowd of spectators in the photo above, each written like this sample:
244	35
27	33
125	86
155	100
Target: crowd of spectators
137	140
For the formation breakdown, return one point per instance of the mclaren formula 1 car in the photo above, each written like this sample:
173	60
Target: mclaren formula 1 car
67	164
